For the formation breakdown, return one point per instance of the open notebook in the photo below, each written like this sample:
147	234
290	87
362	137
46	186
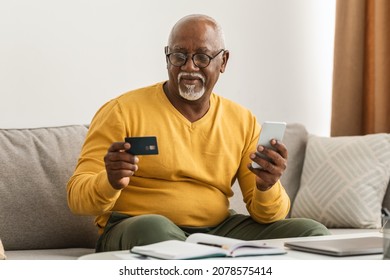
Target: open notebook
340	247
201	245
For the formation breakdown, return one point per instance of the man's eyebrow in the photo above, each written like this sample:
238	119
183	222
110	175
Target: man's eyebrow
184	50
177	49
203	50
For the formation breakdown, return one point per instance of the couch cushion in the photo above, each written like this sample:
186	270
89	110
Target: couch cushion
344	180
295	139
49	254
35	165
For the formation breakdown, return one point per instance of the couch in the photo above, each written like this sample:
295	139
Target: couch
35	221
35	164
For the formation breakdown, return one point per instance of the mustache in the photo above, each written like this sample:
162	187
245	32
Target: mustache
192	75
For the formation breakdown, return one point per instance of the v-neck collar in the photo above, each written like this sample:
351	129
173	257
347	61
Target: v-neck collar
187	122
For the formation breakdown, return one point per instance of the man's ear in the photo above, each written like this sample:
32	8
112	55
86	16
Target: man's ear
225	59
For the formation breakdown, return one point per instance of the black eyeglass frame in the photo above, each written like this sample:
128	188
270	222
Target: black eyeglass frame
166	49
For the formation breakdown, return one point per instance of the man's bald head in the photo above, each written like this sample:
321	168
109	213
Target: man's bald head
198	21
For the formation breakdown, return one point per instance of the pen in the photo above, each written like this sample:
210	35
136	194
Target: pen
385	217
385	212
214	245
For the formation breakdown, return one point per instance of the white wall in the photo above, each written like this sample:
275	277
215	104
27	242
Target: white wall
61	60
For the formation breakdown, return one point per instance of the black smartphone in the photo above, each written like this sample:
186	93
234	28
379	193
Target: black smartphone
146	145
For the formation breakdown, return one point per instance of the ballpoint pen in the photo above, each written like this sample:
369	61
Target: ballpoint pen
214	245
385	212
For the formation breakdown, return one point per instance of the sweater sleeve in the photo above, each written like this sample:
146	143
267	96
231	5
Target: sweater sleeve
269	206
89	191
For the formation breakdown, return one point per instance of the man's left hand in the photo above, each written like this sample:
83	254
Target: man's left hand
272	168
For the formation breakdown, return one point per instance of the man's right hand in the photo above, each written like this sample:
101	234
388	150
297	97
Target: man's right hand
120	165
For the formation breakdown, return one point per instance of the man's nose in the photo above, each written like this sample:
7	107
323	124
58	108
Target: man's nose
189	65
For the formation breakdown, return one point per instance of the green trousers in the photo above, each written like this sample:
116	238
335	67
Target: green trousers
122	232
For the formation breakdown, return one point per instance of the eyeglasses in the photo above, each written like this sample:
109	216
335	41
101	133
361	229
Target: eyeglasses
201	60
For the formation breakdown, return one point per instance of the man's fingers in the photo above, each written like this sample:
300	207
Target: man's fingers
121	165
119	146
281	148
116	152
121	173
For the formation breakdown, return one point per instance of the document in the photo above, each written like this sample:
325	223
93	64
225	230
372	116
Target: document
201	245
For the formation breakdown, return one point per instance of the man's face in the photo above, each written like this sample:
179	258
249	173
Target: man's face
190	81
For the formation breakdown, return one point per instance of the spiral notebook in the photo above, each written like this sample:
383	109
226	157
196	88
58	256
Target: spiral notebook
340	247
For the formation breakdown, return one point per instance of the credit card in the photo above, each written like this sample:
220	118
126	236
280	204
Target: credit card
146	145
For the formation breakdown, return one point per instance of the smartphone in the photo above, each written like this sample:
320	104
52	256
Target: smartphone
269	131
142	145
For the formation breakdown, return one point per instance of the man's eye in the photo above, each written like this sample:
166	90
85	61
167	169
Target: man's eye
202	58
179	55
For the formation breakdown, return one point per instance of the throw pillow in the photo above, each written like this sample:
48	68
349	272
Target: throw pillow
344	180
2	254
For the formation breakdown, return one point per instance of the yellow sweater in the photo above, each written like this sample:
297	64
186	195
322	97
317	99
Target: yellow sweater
190	180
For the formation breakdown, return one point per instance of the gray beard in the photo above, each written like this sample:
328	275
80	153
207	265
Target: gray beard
190	94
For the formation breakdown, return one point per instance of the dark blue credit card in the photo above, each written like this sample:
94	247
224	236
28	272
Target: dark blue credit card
142	145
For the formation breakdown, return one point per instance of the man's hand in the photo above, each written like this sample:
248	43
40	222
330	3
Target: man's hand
273	168
120	165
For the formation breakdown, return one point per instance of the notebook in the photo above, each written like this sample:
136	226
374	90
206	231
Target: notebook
340	247
203	245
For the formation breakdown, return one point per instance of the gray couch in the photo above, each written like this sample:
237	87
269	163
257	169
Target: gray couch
35	164
35	221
